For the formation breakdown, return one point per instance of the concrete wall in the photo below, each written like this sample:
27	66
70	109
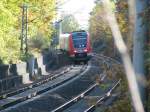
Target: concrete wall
14	75
9	77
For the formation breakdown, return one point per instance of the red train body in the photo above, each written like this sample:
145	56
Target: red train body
77	44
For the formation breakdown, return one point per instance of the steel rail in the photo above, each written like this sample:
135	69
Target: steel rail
12	101
5	95
77	98
74	100
103	98
106	57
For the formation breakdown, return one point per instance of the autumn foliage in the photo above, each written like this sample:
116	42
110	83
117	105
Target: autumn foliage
40	14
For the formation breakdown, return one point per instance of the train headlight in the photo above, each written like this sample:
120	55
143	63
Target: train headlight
85	50
75	51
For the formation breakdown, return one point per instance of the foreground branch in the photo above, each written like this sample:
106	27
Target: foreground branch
130	73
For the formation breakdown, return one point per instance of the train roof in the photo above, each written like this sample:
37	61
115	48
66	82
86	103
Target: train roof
78	31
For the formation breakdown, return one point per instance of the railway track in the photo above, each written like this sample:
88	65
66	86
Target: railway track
103	98
74	100
77	104
65	89
77	98
106	58
58	96
36	84
22	95
81	102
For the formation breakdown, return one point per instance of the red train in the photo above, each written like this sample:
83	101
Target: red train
77	44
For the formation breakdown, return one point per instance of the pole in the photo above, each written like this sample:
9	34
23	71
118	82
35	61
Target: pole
24	31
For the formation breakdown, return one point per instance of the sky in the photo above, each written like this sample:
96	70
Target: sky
79	8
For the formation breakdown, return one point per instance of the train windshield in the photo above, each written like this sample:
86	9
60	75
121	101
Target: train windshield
79	40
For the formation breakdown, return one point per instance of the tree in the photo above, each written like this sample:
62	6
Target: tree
130	72
40	13
138	42
99	30
69	24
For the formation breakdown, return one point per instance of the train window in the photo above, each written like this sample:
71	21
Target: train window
79	43
79	35
79	39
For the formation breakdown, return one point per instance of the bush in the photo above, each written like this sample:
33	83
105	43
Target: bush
38	42
25	57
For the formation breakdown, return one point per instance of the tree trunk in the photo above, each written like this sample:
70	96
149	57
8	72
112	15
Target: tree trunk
138	46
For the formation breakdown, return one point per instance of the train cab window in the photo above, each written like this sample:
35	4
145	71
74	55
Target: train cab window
79	39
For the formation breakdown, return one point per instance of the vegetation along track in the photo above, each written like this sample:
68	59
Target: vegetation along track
38	88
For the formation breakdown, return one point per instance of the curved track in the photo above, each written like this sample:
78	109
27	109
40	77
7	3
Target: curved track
64	91
103	98
59	95
39	88
79	103
36	84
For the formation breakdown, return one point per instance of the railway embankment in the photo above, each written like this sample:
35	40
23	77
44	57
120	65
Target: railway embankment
18	75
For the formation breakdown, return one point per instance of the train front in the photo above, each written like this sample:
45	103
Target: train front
81	48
